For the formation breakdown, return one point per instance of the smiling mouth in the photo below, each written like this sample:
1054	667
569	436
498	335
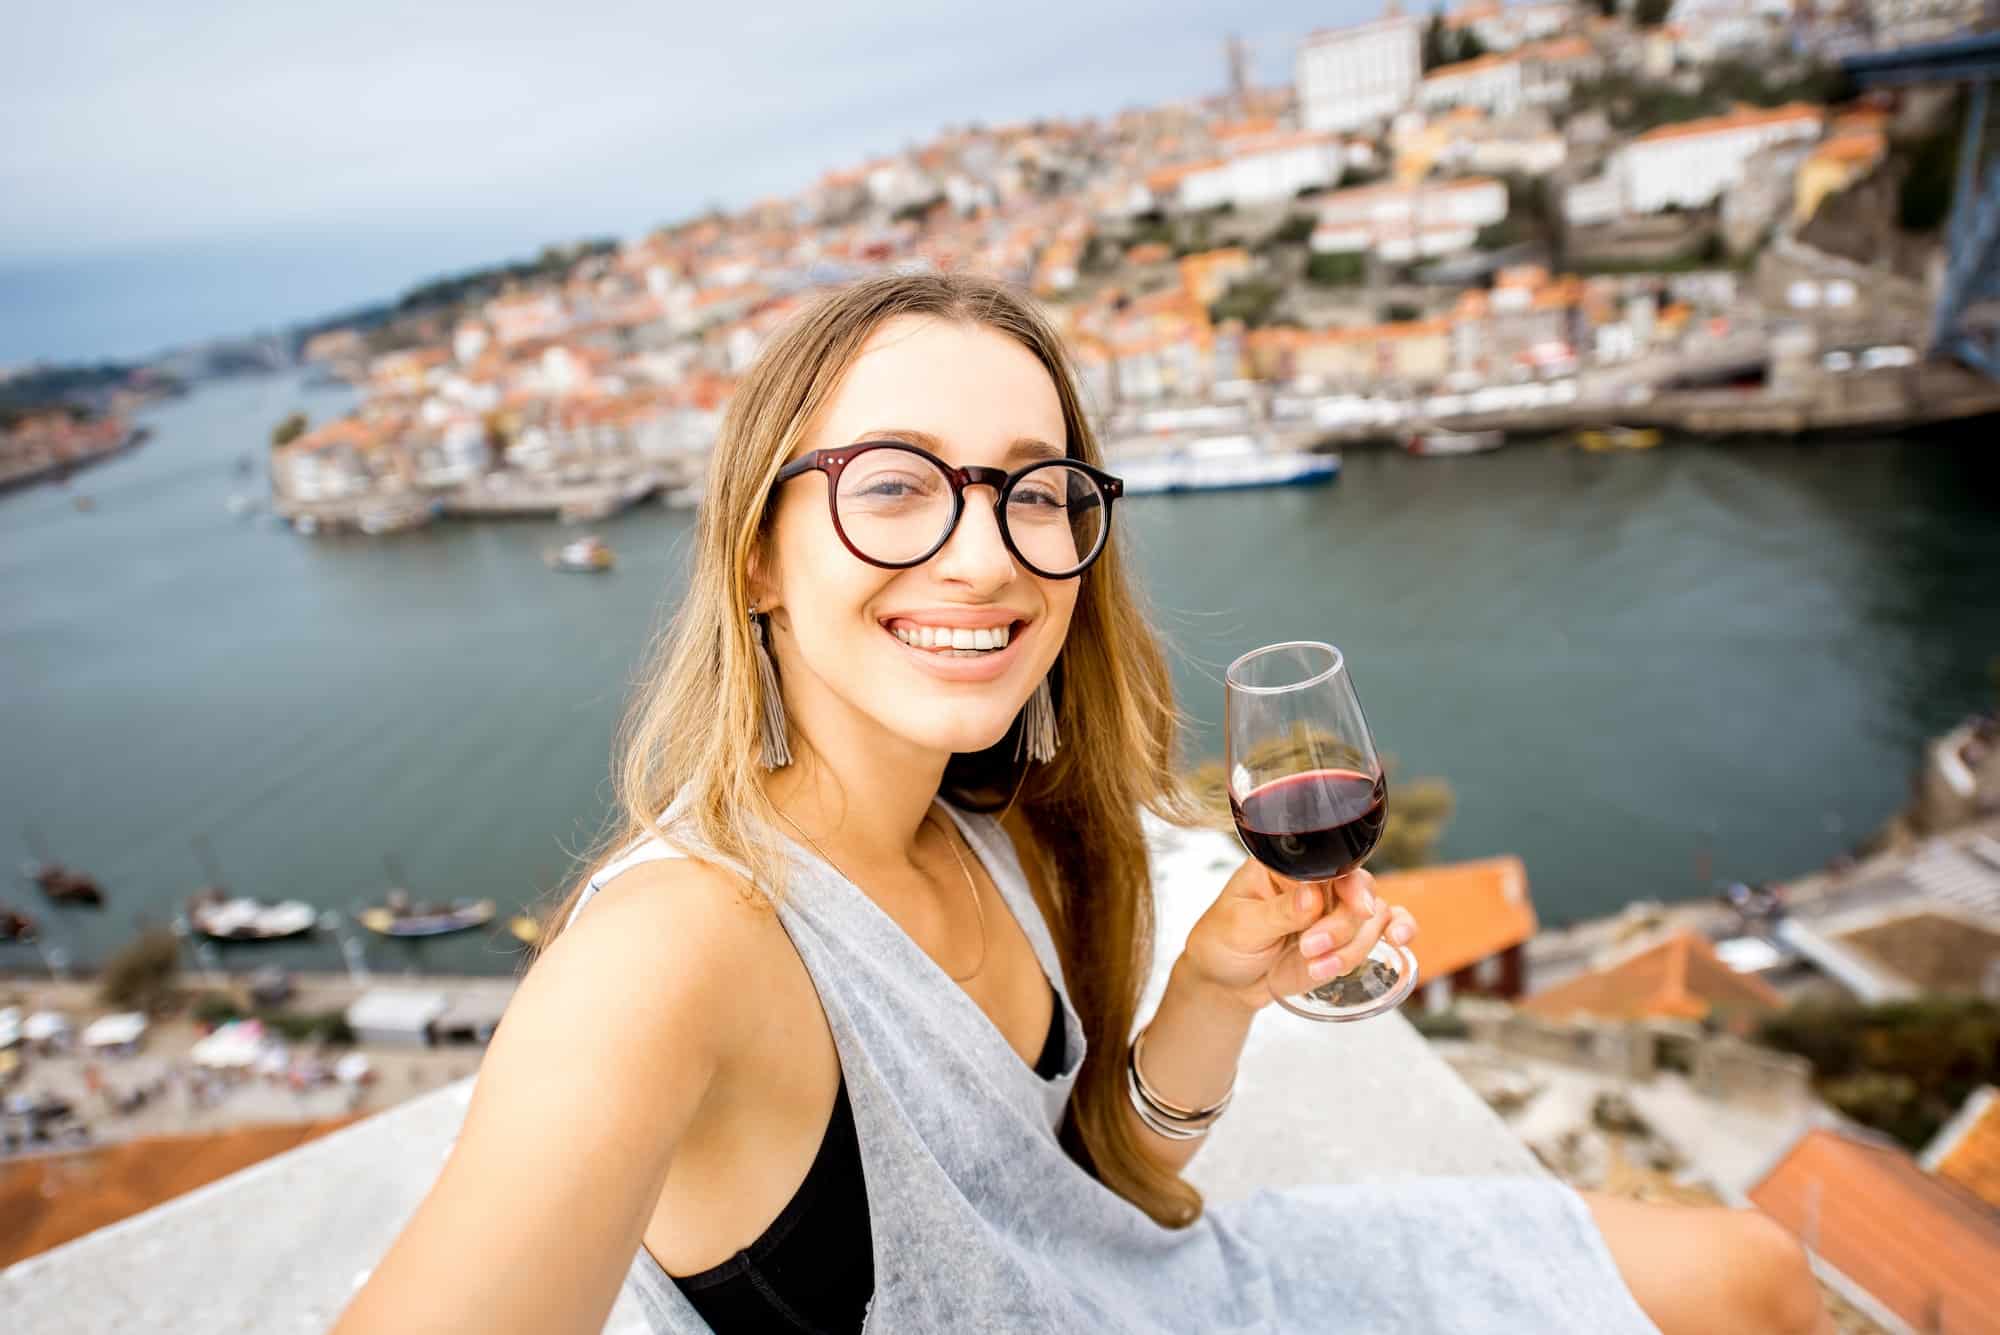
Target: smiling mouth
984	641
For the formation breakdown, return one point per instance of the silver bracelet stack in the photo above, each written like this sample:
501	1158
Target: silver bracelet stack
1163	1118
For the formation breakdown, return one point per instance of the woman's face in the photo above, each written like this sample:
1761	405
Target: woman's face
969	395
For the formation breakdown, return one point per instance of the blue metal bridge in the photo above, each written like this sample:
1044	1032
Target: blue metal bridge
1972	239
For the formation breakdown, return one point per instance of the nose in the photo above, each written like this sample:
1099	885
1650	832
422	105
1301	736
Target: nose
975	554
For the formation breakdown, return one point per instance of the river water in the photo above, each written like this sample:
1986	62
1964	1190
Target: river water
1630	668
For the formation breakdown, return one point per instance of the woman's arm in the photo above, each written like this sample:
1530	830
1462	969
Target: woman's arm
1193	1043
595	1074
1242	948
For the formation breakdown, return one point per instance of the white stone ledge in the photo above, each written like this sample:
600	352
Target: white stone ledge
280	1247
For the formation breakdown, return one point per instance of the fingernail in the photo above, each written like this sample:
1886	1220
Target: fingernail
1400	934
1305	900
1315	943
1374	904
1323	969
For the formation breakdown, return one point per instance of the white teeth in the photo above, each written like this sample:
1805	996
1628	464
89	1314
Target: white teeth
954	640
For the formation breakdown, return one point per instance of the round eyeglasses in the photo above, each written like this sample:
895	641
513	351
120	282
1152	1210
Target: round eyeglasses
895	505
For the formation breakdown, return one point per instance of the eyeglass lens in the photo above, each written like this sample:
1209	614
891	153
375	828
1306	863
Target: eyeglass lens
896	506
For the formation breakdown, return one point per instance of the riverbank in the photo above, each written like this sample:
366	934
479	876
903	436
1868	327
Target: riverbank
161	1090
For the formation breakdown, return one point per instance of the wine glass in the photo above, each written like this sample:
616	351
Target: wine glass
1309	797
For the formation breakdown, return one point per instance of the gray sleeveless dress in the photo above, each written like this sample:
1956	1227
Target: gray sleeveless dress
981	1222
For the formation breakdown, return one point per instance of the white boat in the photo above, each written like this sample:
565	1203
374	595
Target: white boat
1219	463
587	555
1454	442
246	919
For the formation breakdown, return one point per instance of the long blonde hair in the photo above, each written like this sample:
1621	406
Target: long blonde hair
691	734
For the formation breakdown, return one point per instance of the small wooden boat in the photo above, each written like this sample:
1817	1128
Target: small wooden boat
64	885
586	555
216	914
399	915
15	925
1606	439
1429	443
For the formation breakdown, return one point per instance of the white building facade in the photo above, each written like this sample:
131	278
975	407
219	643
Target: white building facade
1269	172
1351	77
1689	164
1400	223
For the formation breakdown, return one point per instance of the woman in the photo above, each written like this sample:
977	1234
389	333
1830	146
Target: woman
825	1045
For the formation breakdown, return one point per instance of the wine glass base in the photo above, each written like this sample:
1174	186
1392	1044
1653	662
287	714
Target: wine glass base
1379	983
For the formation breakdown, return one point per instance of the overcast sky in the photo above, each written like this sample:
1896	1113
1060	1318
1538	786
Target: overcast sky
177	170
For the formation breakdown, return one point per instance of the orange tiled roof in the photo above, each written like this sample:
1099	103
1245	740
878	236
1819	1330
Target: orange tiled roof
1853	146
1741	118
1169	178
1681	977
1473	66
1561	48
1923	1248
49	1199
1968	1150
1466	911
1256	125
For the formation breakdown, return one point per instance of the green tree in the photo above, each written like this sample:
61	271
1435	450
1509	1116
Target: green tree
289	430
1250	300
1903	1067
1924	200
1336	268
140	975
1295	230
1435	37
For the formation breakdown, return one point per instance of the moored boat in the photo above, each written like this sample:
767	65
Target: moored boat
1441	442
1220	463
15	925
216	914
399	915
1605	439
65	885
587	555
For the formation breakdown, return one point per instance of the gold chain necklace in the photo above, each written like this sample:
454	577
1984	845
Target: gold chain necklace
970	884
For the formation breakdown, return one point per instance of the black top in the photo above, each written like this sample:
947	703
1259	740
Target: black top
813	1269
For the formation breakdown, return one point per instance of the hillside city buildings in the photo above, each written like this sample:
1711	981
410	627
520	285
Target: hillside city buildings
1376	230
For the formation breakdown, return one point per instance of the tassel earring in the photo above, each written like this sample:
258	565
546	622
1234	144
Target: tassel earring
1038	726
777	750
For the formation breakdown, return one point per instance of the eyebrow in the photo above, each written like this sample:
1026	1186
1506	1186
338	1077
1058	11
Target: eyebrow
1023	447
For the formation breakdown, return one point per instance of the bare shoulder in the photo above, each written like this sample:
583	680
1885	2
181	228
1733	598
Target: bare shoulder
660	938
590	1087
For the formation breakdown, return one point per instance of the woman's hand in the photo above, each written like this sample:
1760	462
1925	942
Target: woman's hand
1266	935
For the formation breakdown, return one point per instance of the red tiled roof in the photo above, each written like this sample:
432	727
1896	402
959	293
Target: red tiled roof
1920	1246
1968	1150
1465	912
1681	977
1741	118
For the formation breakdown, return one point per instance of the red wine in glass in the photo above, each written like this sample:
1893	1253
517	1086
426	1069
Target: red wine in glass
1313	826
1310	797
